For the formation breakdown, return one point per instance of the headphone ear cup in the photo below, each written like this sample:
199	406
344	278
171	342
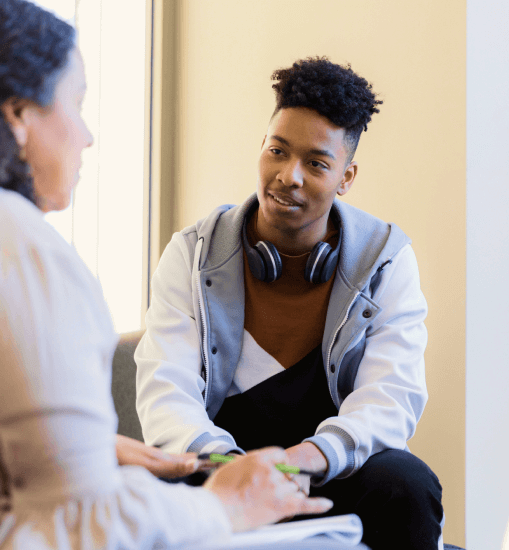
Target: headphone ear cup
329	266
256	263
317	266
271	259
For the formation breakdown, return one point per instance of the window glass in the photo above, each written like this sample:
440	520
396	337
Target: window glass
106	221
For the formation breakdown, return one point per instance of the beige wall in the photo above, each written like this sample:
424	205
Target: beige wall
411	160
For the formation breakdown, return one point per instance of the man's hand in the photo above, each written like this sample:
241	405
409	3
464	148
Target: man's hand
134	453
307	457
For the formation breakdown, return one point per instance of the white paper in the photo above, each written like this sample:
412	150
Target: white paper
346	530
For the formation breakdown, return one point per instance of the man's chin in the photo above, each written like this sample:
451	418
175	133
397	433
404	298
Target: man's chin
283	225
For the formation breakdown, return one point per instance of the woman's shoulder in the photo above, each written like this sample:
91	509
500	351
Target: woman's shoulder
28	241
23	227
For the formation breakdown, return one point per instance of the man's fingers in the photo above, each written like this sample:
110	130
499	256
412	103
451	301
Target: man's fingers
161	464
181	466
204	465
190	466
171	466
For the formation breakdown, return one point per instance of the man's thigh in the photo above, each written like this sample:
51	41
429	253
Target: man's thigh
390	474
396	495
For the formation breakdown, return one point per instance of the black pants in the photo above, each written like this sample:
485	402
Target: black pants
397	497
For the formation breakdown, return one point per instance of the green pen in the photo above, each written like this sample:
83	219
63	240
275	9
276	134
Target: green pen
215	457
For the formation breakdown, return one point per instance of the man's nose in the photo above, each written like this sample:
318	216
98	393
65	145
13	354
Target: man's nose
292	174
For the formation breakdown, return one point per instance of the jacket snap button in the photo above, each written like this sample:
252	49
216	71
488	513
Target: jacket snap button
214	350
332	368
366	313
208	282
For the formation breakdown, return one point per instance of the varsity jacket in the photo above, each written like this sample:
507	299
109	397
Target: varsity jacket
372	346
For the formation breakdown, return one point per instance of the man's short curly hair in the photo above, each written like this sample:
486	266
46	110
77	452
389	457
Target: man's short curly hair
334	91
34	50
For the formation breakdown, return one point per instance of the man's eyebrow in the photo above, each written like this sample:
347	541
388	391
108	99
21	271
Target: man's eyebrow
281	139
321	152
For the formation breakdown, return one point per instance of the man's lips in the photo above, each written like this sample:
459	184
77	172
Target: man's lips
285	199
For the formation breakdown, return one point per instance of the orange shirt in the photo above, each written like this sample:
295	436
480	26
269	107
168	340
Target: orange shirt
287	317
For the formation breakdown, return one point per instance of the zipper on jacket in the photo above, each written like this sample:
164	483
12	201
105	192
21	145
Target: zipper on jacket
339	328
204	337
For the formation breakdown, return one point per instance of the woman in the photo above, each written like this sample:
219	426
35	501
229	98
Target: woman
57	422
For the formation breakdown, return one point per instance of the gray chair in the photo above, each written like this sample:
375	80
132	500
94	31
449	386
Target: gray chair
123	385
123	388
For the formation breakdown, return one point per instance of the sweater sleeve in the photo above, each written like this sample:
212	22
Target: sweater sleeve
57	421
67	488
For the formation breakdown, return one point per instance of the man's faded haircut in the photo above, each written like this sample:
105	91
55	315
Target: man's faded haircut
336	92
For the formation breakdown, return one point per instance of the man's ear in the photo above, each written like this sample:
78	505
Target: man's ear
14	111
348	178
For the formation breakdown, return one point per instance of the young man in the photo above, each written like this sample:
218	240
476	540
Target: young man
297	320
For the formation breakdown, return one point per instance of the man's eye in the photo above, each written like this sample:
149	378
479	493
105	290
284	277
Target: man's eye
276	151
317	164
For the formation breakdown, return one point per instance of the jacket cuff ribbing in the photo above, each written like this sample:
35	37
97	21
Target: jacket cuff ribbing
207	443
338	448
221	448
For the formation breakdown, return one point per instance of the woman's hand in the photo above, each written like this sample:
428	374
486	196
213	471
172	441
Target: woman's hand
254	492
134	453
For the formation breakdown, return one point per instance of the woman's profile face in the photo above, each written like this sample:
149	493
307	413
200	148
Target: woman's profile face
55	138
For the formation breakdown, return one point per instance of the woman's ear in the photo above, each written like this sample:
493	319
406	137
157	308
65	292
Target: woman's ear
14	110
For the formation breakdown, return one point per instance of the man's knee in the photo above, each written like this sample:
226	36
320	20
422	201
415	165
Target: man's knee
400	474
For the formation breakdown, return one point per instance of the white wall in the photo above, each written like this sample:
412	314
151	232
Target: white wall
487	363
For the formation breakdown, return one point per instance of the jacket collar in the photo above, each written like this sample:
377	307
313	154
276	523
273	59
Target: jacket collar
367	242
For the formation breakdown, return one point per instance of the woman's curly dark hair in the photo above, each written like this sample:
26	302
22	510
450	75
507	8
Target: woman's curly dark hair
34	49
336	92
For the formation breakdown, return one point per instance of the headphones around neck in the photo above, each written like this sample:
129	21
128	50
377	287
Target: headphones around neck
266	265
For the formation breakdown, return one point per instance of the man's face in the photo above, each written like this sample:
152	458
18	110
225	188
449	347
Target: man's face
302	167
